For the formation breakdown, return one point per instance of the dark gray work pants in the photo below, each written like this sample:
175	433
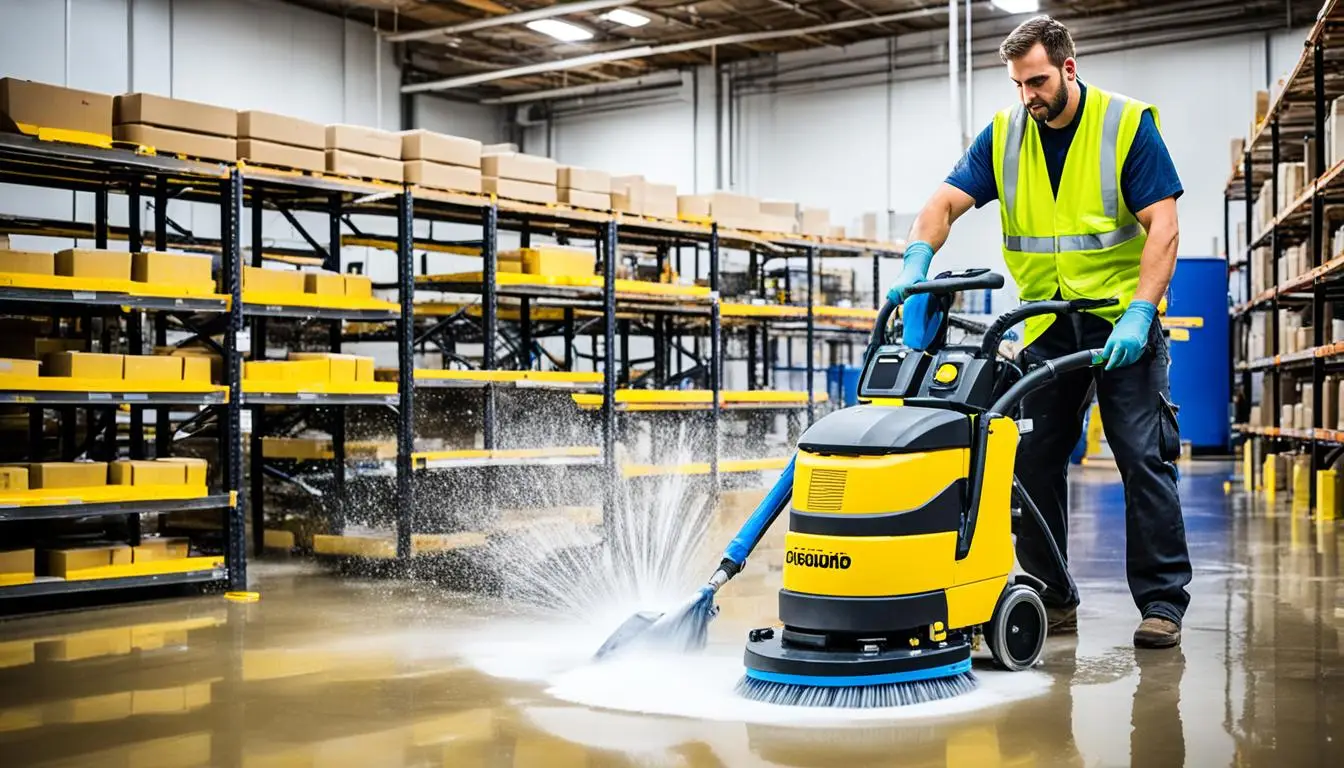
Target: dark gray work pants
1141	430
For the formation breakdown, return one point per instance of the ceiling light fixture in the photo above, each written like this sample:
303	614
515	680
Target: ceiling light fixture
560	30
626	18
1017	6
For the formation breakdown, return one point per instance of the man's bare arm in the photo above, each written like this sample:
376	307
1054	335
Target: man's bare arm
935	220
1159	253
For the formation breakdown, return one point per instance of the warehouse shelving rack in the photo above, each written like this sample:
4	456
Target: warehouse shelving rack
1296	117
238	189
29	162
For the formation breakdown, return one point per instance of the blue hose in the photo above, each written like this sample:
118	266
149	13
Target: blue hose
774	502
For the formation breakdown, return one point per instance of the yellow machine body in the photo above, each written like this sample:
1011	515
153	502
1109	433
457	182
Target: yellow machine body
847	492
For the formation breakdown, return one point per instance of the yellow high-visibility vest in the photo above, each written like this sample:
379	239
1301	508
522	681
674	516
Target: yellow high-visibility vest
1082	242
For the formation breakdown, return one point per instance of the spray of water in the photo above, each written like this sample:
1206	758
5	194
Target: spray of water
647	555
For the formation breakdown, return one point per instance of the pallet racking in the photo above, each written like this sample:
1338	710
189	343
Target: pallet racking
609	309
1296	121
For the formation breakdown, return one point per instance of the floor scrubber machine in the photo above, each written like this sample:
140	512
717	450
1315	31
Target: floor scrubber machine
899	553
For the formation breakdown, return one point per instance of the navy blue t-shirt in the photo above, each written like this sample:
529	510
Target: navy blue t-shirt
1148	175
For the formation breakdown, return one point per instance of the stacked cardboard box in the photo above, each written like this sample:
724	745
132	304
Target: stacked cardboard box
159	548
27	106
284	142
273	280
94	264
584	187
438	161
28	262
67	474
814	221
1292	180
174	126
354	150
173	269
519	177
340	368
727	208
65	563
637	195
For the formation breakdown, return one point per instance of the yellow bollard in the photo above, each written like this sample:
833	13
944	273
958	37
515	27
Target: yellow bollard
1271	480
1327	489
1247	467
1301	488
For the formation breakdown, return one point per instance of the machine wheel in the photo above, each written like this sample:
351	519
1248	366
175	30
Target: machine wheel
1016	631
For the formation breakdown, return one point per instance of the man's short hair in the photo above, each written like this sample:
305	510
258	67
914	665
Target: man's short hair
1041	29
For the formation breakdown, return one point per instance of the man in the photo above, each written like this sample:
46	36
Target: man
1087	195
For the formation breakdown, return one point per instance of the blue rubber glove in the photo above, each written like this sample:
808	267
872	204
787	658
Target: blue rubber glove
922	318
915	269
1125	346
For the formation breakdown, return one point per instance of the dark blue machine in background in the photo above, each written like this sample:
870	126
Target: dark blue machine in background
1200	371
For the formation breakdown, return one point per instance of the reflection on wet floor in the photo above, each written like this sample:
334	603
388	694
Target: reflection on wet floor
339	672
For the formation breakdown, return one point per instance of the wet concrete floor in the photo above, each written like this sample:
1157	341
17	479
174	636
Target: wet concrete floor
328	671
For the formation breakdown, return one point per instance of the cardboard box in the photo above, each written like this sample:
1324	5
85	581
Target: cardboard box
28	262
340	368
451	178
660	201
79	262
513	189
324	283
260	152
363	166
440	148
16	561
814	221
147	473
172	269
1261	107
196	368
151	368
694	206
728	206
83	365
779	208
520	167
627	194
558	261
197	470
597	201
67	474
14	367
583	179
1238	154
167	141
26	105
867	227
838	231
13	478
286	370
364	141
177	114
64	562
360	286
158	549
272	280
281	129
499	149
363	368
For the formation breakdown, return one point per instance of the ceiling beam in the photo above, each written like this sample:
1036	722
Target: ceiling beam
510	19
644	51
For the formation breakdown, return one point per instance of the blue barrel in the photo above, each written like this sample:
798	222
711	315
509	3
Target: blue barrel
842	383
1200	369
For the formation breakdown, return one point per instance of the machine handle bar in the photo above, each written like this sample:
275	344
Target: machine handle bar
971	279
995	334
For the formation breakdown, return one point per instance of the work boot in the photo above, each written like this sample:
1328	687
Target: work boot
1061	621
1157	632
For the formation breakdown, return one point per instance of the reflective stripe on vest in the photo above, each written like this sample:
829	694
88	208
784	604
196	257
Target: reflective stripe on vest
1110	193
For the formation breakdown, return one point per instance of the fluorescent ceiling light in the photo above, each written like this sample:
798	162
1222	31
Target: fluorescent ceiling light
560	30
626	18
1017	6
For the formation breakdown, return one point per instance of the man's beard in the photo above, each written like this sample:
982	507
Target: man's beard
1054	108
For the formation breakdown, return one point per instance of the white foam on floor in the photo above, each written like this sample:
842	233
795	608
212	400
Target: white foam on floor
697	686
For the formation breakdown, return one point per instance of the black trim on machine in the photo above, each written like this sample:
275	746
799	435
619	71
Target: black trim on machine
861	614
941	514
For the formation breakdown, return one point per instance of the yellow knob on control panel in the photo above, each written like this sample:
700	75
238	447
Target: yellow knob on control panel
946	373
